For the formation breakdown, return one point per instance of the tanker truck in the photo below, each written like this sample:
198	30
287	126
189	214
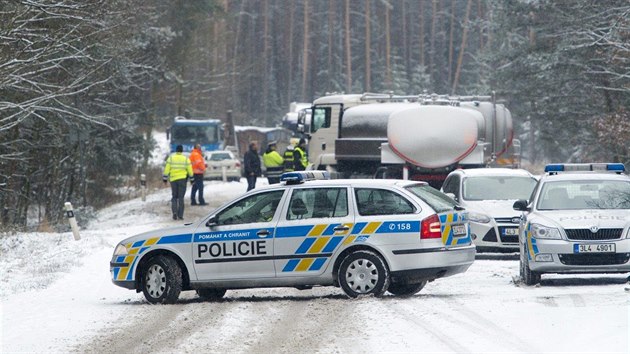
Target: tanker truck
421	137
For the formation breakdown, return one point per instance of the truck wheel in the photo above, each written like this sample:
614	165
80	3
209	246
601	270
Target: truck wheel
528	276
211	294
404	290
162	280
363	273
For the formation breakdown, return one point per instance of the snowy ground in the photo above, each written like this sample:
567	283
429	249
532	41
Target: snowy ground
57	296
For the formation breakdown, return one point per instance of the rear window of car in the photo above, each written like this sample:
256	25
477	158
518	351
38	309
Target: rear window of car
220	156
372	201
437	200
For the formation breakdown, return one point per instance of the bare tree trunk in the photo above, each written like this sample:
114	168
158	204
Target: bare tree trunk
432	40
368	39
348	48
421	23
235	53
481	21
405	37
305	52
450	43
331	14
290	59
462	48
388	64
266	67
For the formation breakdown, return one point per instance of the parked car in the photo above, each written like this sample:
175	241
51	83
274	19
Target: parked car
576	221
221	160
365	236
488	194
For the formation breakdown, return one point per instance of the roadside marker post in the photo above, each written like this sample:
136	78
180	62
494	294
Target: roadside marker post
72	220
143	187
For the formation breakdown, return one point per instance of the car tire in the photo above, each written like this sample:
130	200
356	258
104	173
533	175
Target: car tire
161	280
405	290
363	273
528	276
211	294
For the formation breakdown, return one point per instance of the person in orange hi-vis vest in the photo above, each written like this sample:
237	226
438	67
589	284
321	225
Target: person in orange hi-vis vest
199	167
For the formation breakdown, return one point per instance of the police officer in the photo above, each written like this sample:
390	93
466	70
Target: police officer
300	160
177	169
289	165
273	162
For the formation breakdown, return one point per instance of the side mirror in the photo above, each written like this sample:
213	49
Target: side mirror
300	128
212	221
452	196
520	205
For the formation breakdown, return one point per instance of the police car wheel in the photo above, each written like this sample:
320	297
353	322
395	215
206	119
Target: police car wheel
211	294
363	273
528	276
162	280
403	289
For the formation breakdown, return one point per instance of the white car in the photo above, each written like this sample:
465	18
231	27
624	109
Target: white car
365	236
488	194
222	162
576	221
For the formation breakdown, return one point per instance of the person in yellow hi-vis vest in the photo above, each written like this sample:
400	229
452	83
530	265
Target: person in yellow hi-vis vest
274	163
300	160
177	170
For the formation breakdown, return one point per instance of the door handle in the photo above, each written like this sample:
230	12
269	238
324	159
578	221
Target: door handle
341	228
263	233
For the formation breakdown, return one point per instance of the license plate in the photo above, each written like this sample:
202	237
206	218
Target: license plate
510	232
459	230
594	248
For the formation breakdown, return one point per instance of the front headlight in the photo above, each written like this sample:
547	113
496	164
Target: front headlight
478	217
540	231
121	250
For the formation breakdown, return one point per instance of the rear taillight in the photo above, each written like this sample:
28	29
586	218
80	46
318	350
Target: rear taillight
238	164
430	227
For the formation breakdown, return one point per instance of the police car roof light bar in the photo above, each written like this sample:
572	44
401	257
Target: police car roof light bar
577	167
298	177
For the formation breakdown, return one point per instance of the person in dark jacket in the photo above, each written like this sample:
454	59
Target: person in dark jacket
252	165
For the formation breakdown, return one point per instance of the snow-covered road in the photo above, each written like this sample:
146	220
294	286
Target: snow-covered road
57	297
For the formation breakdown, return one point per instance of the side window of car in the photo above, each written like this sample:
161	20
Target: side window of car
260	207
382	202
451	185
318	203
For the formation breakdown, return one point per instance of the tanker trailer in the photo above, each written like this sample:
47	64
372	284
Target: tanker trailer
417	137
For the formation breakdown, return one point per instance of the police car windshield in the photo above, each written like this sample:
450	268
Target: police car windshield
497	187
588	194
436	199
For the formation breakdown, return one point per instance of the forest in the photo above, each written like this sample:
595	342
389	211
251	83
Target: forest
84	84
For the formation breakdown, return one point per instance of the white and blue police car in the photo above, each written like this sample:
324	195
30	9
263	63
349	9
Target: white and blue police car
577	220
365	236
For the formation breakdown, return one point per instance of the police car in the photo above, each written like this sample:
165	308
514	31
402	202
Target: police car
488	195
576	221
365	236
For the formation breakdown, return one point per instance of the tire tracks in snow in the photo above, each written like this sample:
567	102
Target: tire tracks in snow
409	313
482	324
